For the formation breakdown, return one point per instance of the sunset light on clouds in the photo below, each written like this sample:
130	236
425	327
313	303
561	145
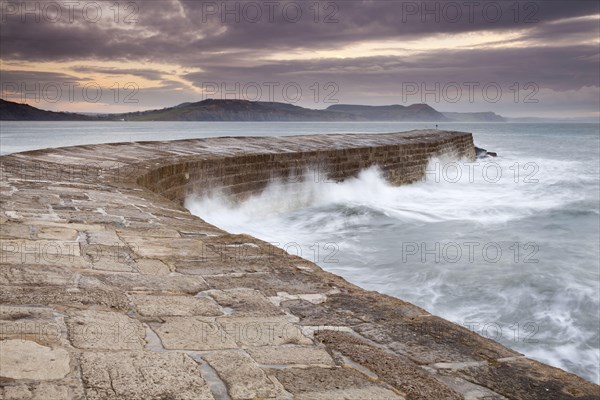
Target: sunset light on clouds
172	51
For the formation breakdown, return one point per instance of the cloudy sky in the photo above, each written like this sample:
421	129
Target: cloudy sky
521	58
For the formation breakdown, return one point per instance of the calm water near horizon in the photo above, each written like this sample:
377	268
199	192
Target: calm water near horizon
17	136
509	249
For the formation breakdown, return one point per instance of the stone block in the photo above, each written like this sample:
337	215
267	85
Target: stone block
86	294
244	378
245	302
290	355
152	267
91	329
523	379
142	376
35	275
194	333
262	331
155	283
24	359
332	383
272	283
62	233
156	306
398	371
35	249
41	391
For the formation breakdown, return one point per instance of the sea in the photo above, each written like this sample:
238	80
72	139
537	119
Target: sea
507	246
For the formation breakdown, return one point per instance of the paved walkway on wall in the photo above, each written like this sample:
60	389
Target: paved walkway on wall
111	291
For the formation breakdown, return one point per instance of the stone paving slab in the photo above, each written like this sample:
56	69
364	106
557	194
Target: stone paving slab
290	355
100	330
44	325
212	263
332	383
244	378
245	302
271	283
429	339
22	359
41	391
142	376
157	306
194	333
35	275
262	331
85	295
528	379
155	283
368	393
35	249
152	267
407	377
228	332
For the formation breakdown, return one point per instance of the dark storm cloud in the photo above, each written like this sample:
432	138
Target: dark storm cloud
555	68
226	42
376	20
14	75
183	31
111	37
14	83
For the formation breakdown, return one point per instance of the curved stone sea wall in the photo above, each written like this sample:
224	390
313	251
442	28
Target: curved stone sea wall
111	289
243	166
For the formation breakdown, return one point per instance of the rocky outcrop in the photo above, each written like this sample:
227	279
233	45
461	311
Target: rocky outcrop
483	153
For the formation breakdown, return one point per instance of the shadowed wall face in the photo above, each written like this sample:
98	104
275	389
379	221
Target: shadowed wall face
250	172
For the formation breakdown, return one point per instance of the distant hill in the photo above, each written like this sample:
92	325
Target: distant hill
236	110
11	111
243	110
475	117
415	112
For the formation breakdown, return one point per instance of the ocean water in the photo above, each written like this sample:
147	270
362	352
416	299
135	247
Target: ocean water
508	246
22	136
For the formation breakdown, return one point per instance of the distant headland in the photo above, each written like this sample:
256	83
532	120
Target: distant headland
244	110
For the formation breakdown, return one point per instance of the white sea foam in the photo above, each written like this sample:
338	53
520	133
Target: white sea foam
476	196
